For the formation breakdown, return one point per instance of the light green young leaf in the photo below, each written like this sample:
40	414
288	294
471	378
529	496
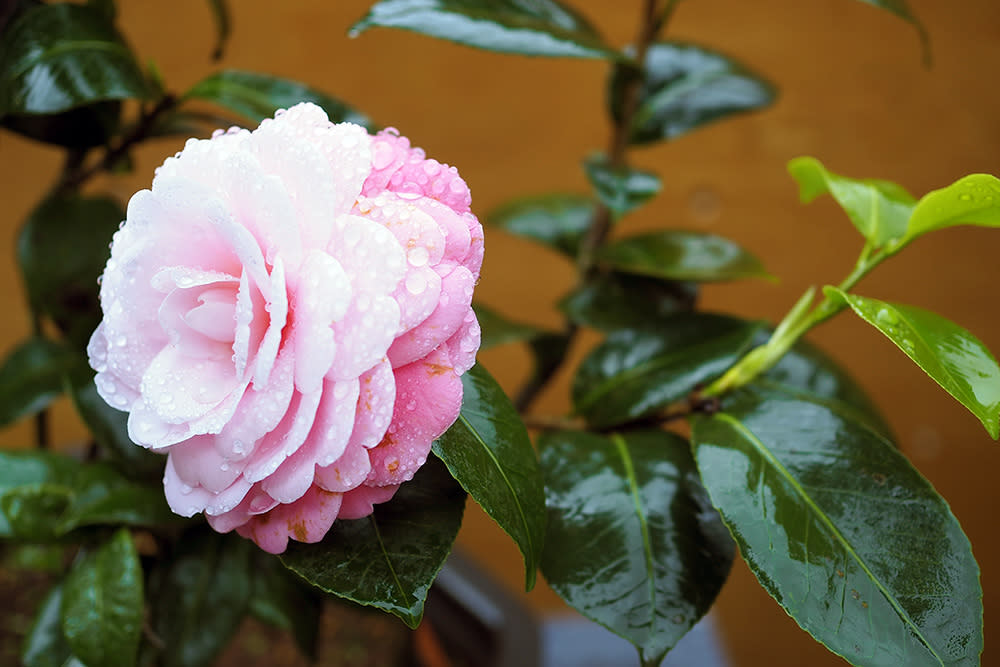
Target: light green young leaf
950	355
488	451
879	209
972	200
525	27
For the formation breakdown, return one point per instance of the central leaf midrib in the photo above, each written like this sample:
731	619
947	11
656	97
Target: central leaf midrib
822	516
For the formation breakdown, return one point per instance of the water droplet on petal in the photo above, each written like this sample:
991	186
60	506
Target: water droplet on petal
416	283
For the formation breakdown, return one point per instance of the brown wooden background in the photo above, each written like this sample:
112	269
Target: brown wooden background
854	93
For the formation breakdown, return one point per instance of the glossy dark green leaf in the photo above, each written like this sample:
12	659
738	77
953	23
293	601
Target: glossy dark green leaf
62	249
621	189
256	96
633	542
525	27
102	604
614	300
972	200
558	221
201	597
388	560
223	25
880	210
498	330
58	56
687	86
489	453
950	355
45	645
103	495
682	255
841	530
285	601
636	373
31	376
24	470
32	511
109	428
80	127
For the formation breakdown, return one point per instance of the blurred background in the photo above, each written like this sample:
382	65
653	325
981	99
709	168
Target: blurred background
853	91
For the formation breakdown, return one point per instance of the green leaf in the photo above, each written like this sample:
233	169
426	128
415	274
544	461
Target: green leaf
80	127
257	96
559	221
388	560
950	355
525	27
635	373
972	200
62	250
285	601
682	255
633	542
201	596
498	330
31	376
102	495
59	56
611	301
102	604
223	26
489	453
879	210
684	87
841	530
621	189
45	645
32	511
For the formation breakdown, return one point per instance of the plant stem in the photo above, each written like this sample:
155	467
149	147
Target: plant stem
651	21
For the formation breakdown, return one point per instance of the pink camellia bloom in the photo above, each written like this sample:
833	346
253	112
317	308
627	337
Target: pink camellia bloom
286	315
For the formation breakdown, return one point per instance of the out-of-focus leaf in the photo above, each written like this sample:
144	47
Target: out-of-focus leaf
686	86
79	127
971	200
498	330
62	250
285	601
388	560
201	597
488	451
257	96
879	209
45	645
682	255
633	542
558	221
525	27
841	530
621	189
54	57
223	25
32	511
31	376
102	495
950	355
636	373
102	604
612	301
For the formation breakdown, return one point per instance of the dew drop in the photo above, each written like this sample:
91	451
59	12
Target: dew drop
886	318
416	283
418	256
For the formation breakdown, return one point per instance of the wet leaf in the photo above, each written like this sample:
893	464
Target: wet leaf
525	27
633	542
489	453
31	376
45	645
559	221
972	200
622	189
614	300
950	355
682	255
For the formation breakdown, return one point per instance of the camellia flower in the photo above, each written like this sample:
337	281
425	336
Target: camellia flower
286	315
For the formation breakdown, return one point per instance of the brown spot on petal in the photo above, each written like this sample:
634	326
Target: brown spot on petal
391	467
298	530
438	369
388	441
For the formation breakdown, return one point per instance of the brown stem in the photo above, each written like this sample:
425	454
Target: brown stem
649	24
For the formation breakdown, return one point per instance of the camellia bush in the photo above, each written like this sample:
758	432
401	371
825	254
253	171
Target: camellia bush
277	365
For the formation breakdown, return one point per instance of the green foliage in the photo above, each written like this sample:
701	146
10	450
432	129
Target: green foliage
498	330
31	376
389	559
683	87
611	301
559	221
223	25
949	354
55	57
102	604
255	96
841	530
972	200
45	645
525	27
619	187
633	543
285	601
488	452
682	255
